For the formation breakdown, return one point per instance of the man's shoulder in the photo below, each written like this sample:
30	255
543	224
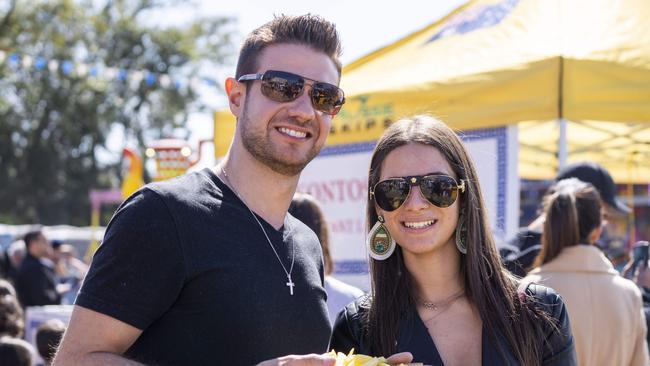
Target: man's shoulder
187	191
29	264
300	229
186	186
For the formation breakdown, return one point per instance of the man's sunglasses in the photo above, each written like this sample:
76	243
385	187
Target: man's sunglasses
283	87
441	190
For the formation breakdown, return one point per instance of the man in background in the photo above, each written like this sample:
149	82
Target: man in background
520	252
36	281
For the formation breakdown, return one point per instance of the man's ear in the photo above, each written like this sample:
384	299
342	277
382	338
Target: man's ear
236	92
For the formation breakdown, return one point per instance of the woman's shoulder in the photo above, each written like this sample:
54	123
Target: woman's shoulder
541	293
348	327
356	310
544	298
557	333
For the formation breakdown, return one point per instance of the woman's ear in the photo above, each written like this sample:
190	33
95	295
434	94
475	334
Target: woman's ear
378	210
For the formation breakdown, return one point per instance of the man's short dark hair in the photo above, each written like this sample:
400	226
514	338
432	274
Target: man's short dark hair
308	30
48	337
31	237
15	352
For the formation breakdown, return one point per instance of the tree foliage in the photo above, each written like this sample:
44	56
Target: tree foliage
54	121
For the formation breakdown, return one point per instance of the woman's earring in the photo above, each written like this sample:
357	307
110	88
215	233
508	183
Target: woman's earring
461	233
380	243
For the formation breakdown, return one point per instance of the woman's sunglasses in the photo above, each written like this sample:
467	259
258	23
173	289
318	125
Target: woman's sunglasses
283	87
441	190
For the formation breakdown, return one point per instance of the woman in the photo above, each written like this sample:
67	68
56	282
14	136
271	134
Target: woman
305	208
438	288
606	310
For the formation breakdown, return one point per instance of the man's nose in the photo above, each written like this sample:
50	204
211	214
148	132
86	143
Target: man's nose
302	108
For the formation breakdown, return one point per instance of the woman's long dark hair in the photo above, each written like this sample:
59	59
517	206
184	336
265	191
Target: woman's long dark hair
488	286
572	211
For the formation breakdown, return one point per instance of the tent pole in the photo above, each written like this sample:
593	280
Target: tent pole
562	151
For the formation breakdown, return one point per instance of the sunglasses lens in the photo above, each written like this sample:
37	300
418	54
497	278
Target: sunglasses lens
440	190
390	194
282	86
326	97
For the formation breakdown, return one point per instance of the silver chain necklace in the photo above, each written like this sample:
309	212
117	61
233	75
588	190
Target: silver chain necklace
289	284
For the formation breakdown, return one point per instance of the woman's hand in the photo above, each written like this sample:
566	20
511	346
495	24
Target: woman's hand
302	360
402	357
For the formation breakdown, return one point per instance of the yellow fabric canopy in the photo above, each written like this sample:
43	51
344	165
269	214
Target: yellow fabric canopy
498	62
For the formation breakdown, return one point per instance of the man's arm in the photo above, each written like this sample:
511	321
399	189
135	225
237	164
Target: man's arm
93	338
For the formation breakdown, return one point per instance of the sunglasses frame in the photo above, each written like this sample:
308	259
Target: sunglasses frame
414	180
261	76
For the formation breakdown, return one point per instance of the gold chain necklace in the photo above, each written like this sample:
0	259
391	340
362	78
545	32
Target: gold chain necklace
289	284
440	306
435	306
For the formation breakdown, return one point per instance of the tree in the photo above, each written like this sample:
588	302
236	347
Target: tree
72	71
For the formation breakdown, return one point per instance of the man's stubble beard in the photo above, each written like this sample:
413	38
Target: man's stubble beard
259	146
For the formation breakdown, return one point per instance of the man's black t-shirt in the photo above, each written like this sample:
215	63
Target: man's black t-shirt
185	261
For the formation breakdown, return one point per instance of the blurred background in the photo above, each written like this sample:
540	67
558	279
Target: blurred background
98	98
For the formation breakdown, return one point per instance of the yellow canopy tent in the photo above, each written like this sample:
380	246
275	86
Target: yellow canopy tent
534	62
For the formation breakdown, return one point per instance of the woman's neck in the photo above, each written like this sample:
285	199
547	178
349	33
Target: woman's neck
436	275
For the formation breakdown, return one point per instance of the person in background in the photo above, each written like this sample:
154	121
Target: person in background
306	208
12	321
16	254
15	352
5	263
438	288
36	282
6	288
641	276
69	269
48	337
643	280
606	310
520	252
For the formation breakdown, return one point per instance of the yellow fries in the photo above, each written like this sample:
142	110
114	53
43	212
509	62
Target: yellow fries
357	360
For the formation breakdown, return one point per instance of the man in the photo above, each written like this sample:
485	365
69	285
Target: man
48	337
35	281
522	250
208	268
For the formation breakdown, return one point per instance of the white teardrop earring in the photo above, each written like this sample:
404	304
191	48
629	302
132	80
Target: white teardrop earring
379	242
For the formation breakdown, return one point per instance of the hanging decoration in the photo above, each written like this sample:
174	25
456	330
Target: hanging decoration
17	61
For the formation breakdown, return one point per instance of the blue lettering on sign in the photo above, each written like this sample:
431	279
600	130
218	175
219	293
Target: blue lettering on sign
475	18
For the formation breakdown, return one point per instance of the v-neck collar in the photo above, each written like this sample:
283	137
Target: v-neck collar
415	338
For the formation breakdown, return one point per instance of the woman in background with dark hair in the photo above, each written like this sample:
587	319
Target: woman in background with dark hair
305	208
606	309
438	288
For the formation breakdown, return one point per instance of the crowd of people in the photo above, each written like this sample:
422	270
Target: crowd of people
14	349
35	272
229	265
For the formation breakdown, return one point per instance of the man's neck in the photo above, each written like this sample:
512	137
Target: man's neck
263	190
